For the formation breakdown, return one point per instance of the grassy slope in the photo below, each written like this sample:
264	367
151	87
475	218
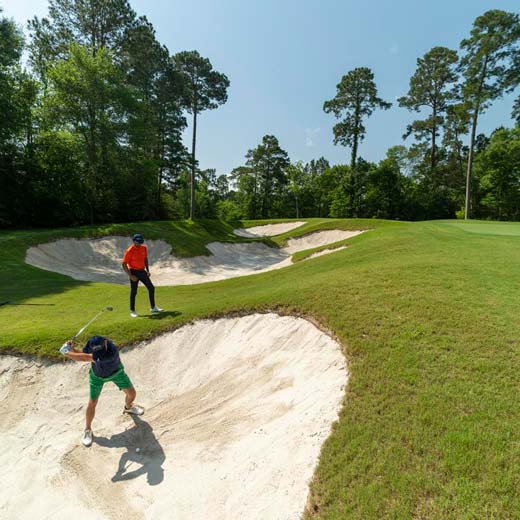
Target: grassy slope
428	315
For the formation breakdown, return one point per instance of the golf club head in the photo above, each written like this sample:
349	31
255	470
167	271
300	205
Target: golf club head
109	308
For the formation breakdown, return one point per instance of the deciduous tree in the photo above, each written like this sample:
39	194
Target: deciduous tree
268	161
88	95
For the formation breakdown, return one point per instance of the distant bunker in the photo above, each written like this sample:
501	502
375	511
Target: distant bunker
99	260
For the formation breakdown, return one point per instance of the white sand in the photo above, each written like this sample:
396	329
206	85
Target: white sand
99	260
269	230
321	238
237	410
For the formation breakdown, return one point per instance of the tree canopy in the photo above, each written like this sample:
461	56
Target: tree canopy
92	123
356	99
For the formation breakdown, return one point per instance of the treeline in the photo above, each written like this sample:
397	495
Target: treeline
90	131
401	186
449	170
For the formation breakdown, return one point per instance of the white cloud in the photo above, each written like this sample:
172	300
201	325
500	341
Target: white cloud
310	134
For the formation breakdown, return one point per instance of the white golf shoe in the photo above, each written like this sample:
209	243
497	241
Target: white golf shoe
135	409
156	310
133	314
87	438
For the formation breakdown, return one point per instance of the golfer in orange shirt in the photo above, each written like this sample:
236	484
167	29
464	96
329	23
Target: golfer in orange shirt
135	264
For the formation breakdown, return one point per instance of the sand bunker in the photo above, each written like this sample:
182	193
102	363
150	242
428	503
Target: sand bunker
99	260
237	410
269	230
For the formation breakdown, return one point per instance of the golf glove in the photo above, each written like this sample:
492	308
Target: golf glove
65	349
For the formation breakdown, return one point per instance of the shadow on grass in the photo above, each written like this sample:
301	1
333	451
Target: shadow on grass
35	304
162	315
26	282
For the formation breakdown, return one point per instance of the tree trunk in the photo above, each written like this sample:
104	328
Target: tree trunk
470	163
467	206
434	132
297	209
353	156
267	192
356	202
255	193
354	153
192	183
459	153
160	154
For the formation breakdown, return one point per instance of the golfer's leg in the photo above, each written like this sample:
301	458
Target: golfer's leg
130	394
90	413
151	289
133	293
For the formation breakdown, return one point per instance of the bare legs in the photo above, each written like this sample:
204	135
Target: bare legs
89	414
130	394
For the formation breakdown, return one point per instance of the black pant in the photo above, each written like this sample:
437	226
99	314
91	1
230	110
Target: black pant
142	276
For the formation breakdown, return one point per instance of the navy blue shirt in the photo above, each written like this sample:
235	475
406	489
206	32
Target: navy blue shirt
106	356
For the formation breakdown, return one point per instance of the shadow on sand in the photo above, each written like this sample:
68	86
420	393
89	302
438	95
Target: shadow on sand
142	449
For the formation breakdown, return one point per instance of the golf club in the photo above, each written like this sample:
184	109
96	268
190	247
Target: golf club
66	347
92	320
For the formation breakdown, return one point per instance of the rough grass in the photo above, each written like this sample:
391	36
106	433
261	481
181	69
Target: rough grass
428	315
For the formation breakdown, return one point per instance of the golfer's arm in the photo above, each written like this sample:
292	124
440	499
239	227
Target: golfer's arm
125	269
79	356
146	264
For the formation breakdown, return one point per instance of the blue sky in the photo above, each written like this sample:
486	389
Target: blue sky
285	57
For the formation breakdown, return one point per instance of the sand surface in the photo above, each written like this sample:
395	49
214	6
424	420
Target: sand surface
237	410
99	260
269	230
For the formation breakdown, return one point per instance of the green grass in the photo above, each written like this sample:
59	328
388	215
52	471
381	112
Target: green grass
427	313
487	228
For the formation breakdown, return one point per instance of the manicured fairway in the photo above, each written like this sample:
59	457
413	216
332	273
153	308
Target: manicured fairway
428	316
488	228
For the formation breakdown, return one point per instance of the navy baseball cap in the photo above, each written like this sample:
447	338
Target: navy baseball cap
96	341
138	238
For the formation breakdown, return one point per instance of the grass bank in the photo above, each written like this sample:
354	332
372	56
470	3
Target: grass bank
427	313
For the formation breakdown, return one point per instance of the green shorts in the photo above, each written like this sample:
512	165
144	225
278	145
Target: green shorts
119	378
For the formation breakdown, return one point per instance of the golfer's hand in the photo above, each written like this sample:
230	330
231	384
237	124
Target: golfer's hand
149	274
133	278
66	348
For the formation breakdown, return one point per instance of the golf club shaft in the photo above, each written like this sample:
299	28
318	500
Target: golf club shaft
88	323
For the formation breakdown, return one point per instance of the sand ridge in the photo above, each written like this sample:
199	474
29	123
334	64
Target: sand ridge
269	230
99	260
237	410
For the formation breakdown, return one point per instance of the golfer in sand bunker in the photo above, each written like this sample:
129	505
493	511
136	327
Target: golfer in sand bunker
106	367
135	265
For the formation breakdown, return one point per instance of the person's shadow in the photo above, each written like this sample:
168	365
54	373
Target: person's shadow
142	448
162	315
